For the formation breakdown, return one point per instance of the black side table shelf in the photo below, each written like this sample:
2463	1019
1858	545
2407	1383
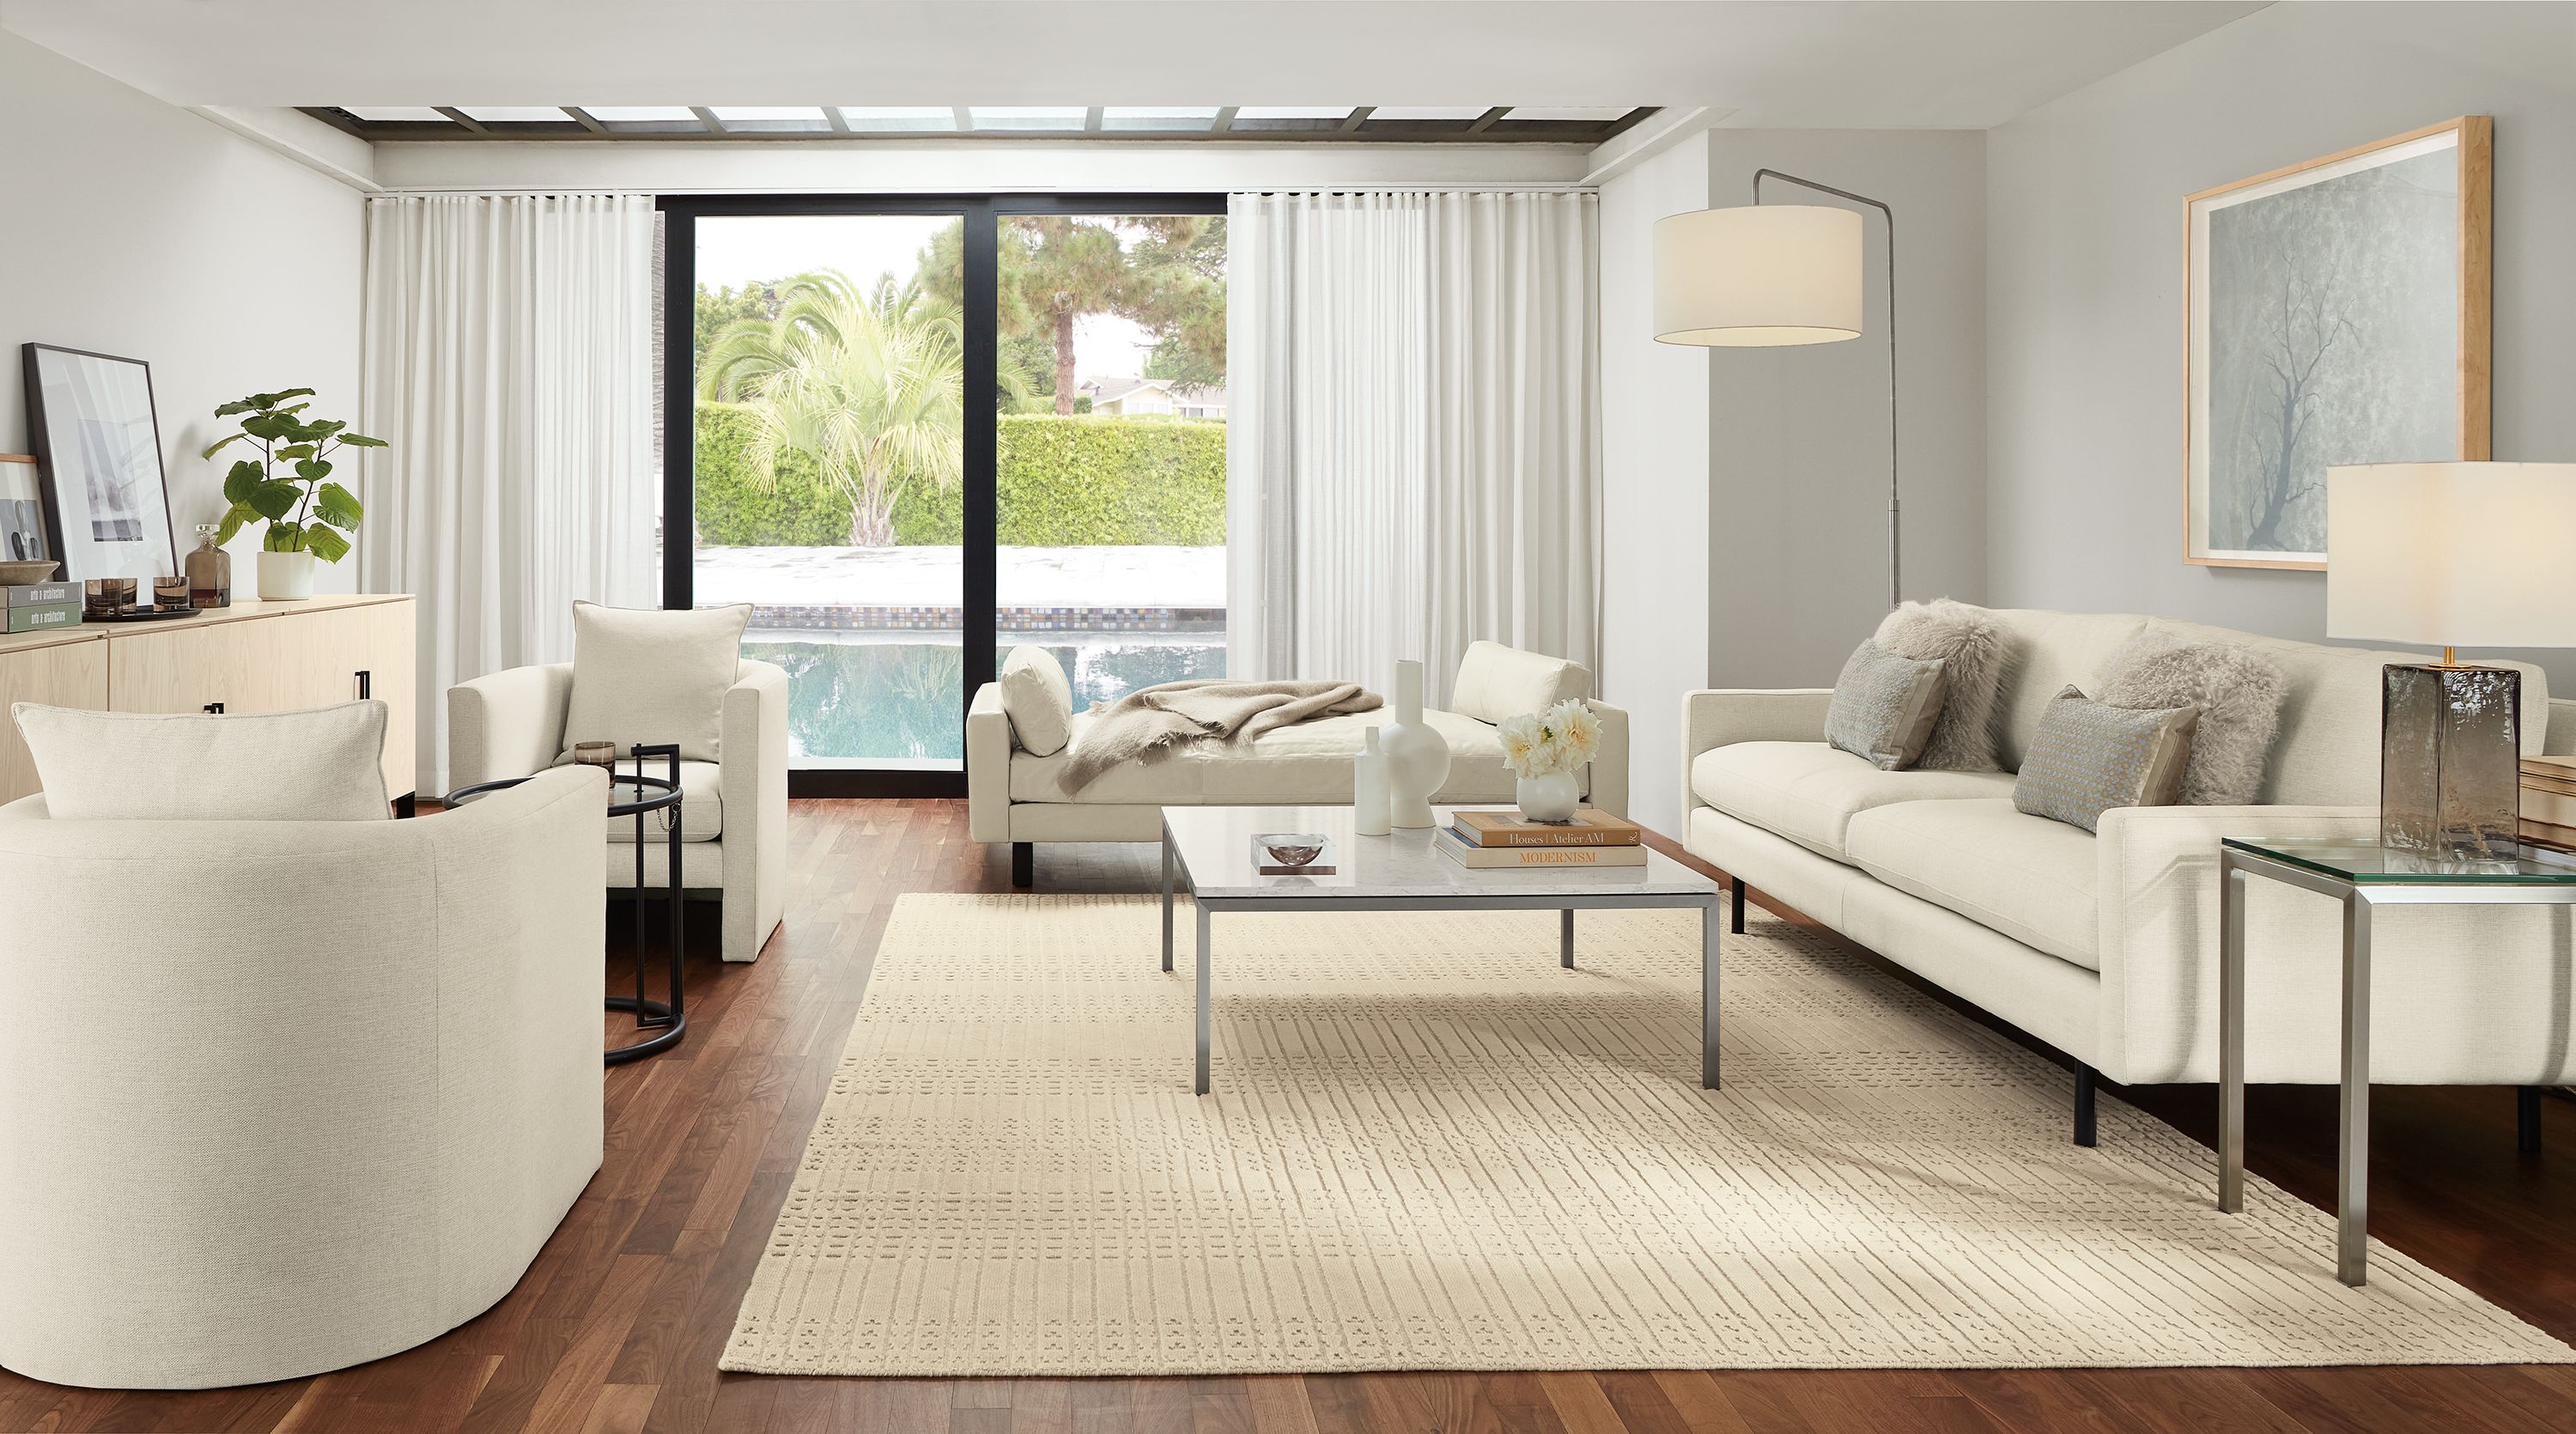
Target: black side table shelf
647	794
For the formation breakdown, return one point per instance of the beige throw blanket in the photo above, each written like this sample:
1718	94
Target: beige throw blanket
1152	723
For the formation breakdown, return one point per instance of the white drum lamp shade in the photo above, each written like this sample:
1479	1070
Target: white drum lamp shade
2452	554
1758	277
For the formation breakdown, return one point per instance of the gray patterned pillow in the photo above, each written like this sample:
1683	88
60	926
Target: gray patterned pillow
1884	706
2087	758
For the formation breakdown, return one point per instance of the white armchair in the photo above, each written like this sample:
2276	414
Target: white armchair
734	818
280	1097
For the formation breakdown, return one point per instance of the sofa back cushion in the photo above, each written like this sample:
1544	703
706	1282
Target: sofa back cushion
322	765
2327	750
1495	682
653	676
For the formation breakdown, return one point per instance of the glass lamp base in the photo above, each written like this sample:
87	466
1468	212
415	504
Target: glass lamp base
2450	766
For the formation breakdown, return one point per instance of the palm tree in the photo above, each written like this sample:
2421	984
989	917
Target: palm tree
870	385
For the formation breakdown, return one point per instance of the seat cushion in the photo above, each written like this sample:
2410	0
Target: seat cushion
1309	762
701	806
2027	877
1808	792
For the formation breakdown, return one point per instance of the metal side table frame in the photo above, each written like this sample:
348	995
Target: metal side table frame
2360	897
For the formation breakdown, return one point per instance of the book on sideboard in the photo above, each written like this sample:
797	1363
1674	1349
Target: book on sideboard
43	594
35	617
1588	827
1533	857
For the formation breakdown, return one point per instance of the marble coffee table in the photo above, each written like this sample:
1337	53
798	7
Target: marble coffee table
1209	849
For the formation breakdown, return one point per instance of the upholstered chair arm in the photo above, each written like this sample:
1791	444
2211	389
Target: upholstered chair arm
988	767
1610	768
2560	739
2461	995
506	724
754	780
1715	717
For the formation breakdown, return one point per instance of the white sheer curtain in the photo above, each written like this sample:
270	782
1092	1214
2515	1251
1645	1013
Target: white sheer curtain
508	361
1414	454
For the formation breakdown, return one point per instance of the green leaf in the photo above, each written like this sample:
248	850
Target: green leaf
239	405
294	450
218	445
329	546
234	517
284	538
313	470
360	440
337	506
325	427
245	477
267	425
297	408
274	499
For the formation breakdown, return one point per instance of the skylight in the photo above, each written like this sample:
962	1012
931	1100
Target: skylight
1243	124
772	118
514	114
1426	112
641	114
1193	119
888	119
1294	112
1027	117
400	114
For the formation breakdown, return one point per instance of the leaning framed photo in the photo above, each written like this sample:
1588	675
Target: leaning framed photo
2337	311
98	449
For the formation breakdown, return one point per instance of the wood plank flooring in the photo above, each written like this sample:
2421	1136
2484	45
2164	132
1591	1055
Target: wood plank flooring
617	1326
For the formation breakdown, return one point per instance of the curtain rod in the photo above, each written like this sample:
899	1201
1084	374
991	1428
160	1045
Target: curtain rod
469	191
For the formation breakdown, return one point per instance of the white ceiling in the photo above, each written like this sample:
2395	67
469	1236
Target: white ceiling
1932	64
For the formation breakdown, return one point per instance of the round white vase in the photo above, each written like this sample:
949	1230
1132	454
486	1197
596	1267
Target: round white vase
285	577
1551	797
1417	756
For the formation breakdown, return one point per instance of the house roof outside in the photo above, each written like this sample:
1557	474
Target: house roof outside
1114	390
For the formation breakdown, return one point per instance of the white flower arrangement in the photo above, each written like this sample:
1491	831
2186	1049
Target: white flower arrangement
1560	739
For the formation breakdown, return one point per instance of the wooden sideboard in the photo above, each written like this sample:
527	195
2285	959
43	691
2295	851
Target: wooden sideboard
249	657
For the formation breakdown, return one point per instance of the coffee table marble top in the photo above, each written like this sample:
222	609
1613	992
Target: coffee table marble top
1215	845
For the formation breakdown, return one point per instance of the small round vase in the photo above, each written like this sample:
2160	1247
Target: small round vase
1549	798
285	577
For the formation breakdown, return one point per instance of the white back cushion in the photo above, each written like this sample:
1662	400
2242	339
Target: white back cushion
1037	699
1495	682
651	676
322	765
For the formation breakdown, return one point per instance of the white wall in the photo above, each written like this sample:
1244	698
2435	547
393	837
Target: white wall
2085	312
1655	484
143	230
1798	436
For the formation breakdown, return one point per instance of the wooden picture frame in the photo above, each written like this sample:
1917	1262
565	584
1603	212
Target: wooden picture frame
2335	311
96	430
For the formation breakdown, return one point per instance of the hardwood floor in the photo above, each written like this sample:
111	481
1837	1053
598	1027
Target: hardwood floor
617	1326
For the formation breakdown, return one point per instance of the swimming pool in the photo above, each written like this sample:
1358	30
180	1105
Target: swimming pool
903	703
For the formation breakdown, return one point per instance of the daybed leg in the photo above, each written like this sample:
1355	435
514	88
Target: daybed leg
2526	1119
1736	905
2084	1078
1024	864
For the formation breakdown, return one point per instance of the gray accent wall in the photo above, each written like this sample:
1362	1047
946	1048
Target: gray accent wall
2084	279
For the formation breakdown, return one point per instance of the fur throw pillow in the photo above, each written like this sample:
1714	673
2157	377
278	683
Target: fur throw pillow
1969	644
2239	694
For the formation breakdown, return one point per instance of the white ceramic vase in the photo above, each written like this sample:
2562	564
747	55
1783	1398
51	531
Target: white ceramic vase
285	577
1417	756
1550	797
1368	787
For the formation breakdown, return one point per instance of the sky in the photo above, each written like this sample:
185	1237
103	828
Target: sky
734	251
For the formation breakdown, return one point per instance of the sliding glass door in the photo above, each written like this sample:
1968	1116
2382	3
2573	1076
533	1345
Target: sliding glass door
910	432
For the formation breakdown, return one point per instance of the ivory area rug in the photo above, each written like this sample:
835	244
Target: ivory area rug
1430	1147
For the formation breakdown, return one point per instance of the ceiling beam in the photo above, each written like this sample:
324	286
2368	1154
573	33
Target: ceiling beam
1091	120
1486	120
582	117
1358	115
461	117
1224	120
832	117
708	118
965	120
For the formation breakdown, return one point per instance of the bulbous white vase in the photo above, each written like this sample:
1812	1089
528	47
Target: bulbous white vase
1549	797
1417	756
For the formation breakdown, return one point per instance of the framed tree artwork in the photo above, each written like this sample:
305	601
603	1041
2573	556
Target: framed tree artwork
2337	313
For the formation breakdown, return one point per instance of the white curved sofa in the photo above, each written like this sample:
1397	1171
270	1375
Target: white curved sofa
2106	946
282	1097
1017	796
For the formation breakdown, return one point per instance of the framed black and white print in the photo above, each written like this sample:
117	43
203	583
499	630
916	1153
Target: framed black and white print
2338	312
98	449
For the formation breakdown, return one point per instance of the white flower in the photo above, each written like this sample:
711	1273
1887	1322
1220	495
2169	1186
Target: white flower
1577	731
1524	746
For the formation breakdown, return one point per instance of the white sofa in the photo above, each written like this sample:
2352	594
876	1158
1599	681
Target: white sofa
1016	796
2106	946
733	828
283	1097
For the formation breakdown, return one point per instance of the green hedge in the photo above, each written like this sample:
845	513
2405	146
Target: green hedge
1065	482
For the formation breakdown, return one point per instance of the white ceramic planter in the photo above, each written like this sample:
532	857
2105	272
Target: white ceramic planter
1417	756
285	577
1551	797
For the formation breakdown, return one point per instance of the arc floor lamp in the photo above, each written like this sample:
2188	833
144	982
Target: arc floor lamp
1767	276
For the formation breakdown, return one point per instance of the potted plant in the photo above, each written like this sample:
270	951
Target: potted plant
306	513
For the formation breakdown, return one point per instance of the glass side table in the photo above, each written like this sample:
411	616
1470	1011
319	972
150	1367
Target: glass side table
2363	876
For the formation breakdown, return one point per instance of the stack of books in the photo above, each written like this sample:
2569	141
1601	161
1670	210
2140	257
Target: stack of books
41	605
2549	802
1508	839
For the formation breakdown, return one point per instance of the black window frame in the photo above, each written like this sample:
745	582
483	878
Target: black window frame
980	540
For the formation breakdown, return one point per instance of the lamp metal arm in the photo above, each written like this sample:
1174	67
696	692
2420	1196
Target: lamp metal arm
1895	583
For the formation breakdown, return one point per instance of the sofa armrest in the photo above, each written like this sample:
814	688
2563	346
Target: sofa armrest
988	767
2560	738
1610	767
754	780
1716	717
506	724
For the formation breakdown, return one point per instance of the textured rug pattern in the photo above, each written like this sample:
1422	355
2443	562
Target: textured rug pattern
1430	1147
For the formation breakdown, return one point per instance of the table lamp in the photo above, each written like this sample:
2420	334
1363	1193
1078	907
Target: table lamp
2451	555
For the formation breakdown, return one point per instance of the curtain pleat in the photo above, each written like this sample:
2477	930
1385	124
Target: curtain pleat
1414	450
508	357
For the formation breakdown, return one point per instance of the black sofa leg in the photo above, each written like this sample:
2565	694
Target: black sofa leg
1737	922
1024	864
2084	1079
2526	1119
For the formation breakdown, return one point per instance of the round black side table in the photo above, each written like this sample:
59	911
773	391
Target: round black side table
643	794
